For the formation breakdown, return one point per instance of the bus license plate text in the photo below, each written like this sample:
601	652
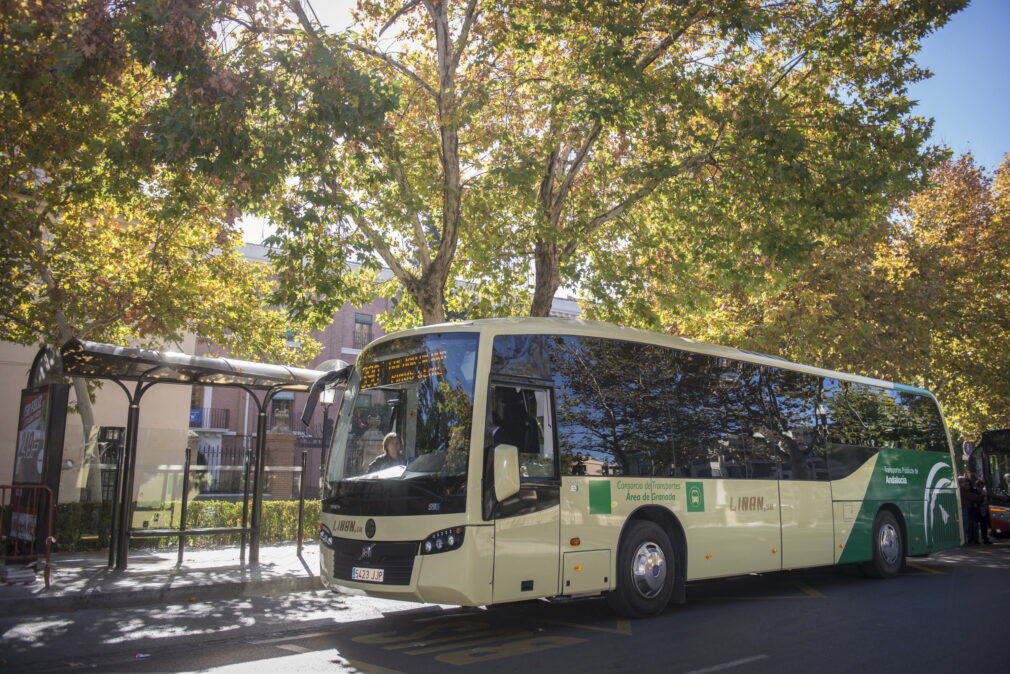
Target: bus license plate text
370	575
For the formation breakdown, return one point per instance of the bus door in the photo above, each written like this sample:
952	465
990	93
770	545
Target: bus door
991	462
527	525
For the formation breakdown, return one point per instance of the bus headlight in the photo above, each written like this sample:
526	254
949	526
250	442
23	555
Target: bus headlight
443	541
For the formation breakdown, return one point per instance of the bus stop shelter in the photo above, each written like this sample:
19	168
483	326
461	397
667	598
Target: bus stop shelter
145	368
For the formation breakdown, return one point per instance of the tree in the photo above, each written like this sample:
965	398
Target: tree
919	300
756	130
133	136
567	137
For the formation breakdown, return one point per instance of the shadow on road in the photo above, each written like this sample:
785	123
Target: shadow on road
361	634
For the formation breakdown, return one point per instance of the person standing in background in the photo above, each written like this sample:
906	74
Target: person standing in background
983	511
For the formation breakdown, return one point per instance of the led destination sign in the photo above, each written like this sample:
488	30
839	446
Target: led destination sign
414	367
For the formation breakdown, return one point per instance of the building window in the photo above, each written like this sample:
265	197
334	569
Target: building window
362	330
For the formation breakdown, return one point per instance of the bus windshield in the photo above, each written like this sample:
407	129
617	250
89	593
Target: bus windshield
402	436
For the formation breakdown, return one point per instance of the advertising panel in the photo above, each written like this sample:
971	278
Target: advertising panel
37	458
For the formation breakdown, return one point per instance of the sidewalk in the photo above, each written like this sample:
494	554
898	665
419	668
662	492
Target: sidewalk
83	580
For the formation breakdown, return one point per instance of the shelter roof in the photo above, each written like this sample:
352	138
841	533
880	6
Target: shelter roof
126	363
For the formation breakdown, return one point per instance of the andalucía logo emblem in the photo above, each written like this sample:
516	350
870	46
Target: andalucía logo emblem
937	480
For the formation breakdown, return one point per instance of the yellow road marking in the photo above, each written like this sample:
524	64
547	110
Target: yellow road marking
442	640
294	648
924	569
809	591
623	626
470	643
506	650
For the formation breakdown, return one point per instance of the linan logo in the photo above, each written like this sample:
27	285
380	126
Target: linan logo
349	526
749	503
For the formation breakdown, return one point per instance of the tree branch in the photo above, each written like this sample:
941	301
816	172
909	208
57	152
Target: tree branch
303	19
573	171
464	33
648	187
400	12
390	61
580	158
373	236
406	194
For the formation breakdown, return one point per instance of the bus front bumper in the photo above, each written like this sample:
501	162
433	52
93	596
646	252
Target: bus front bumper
461	577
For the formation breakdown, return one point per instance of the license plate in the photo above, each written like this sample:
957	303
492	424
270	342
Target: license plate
369	575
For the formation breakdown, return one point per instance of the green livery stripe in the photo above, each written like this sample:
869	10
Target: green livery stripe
922	486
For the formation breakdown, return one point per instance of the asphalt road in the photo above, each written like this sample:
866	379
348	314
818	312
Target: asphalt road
944	614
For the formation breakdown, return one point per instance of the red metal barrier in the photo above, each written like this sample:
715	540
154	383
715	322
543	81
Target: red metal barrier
26	525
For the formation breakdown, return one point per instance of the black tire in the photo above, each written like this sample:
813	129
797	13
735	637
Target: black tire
888	545
646	571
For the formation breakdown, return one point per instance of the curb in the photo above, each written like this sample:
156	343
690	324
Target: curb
96	599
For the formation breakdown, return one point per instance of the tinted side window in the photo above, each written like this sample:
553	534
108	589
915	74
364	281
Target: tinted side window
793	399
718	414
636	409
923	427
870	416
611	413
863	419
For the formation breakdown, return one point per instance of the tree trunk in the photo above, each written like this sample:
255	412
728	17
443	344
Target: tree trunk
547	261
428	294
89	479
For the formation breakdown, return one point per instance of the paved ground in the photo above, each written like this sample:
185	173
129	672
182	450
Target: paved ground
82	581
819	620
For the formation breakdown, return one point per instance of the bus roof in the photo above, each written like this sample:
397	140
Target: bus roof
567	326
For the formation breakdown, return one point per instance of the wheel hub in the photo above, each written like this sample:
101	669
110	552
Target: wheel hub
648	569
889	544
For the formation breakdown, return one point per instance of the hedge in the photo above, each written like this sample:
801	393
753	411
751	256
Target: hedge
86	526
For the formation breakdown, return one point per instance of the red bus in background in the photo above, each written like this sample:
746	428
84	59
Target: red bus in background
990	461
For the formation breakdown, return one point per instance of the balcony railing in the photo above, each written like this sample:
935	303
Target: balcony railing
208	417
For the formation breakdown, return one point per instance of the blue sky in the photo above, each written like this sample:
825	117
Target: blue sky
969	93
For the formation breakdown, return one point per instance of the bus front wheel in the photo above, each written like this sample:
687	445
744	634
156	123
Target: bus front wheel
646	571
888	547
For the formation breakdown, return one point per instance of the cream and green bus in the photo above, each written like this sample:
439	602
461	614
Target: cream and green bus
539	458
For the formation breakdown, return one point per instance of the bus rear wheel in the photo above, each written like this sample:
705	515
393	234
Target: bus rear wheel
888	547
646	571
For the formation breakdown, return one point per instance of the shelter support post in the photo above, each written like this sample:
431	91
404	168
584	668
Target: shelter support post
185	503
257	495
126	495
301	502
114	534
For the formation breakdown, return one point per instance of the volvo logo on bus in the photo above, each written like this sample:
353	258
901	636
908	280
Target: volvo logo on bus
370	528
366	552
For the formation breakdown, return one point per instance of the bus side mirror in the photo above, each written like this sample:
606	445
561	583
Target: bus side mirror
506	471
325	385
